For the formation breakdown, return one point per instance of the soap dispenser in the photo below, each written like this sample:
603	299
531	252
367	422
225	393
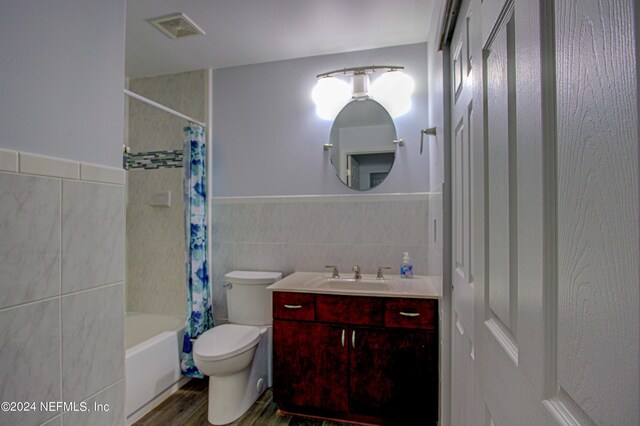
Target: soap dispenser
406	269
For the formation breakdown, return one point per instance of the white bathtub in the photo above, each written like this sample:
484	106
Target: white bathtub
153	343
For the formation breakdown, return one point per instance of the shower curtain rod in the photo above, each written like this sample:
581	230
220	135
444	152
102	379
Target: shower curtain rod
162	107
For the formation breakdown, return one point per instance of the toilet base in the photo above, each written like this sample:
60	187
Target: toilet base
232	395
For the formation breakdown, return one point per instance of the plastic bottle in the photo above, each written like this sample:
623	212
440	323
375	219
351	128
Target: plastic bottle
406	269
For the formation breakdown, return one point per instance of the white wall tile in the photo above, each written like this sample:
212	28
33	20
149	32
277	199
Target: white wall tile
111	398
222	260
322	223
30	359
92	235
33	164
222	222
257	257
92	341
8	161
257	223
219	301
29	238
403	222
95	173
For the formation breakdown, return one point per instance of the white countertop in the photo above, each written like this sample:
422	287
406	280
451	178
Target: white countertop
420	286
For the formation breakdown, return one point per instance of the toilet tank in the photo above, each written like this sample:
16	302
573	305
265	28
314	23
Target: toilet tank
248	301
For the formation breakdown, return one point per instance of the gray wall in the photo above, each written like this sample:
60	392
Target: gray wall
62	240
267	138
61	78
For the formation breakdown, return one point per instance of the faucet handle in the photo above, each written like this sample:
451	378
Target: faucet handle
334	273
380	275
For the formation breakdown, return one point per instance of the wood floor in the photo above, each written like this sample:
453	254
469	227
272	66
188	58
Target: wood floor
188	407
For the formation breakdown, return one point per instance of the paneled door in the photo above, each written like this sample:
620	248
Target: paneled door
462	274
545	225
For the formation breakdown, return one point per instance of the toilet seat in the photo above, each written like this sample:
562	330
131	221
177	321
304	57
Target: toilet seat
225	341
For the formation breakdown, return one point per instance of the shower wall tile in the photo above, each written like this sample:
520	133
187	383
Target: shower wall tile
155	235
30	238
30	356
111	397
157	275
93	241
92	341
155	244
183	92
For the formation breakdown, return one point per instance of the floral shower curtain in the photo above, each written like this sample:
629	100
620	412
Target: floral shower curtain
199	316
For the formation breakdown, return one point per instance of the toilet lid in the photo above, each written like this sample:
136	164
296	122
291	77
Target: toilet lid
225	341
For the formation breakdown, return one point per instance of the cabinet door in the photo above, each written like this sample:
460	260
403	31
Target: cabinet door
310	366
394	374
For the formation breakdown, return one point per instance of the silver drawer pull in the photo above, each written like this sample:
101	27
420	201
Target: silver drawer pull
353	339
343	332
293	306
410	314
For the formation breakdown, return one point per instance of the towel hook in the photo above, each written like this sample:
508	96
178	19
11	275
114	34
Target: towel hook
431	131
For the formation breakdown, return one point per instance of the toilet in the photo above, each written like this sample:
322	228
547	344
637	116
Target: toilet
237	356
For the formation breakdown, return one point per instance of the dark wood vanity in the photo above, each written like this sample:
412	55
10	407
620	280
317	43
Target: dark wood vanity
356	358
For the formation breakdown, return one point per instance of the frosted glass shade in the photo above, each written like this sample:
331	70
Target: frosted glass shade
330	95
393	90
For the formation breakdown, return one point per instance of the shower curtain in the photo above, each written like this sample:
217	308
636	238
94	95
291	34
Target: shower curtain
199	316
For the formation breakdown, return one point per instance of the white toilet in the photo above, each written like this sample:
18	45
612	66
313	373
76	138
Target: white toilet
237	356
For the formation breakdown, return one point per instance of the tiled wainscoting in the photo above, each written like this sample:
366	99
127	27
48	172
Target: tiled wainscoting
305	233
61	288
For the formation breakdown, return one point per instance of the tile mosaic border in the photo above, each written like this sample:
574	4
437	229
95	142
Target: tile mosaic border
26	163
153	160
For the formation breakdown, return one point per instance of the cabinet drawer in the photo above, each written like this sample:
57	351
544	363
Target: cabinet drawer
295	306
349	309
411	313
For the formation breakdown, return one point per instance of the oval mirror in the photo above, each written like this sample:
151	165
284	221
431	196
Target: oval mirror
363	151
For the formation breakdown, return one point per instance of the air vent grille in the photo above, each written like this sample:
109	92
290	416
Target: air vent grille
177	25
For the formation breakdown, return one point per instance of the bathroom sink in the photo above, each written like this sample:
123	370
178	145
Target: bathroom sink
391	286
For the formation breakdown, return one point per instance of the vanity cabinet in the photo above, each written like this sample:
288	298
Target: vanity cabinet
368	359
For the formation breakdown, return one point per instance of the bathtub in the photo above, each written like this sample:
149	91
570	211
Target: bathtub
153	343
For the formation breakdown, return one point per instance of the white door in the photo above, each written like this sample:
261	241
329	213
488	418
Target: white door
462	274
548	114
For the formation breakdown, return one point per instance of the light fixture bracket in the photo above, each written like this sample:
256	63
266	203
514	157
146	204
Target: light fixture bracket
360	70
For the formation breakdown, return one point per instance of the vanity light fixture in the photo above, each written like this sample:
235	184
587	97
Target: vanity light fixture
392	89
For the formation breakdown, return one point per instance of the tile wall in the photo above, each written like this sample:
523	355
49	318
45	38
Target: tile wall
155	235
305	233
61	287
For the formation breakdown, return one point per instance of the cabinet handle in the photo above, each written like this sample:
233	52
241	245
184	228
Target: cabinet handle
410	314
293	306
342	340
353	339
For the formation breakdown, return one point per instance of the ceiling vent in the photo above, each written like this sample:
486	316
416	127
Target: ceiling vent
176	25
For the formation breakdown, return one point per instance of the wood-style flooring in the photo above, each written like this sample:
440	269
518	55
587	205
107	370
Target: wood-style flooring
188	407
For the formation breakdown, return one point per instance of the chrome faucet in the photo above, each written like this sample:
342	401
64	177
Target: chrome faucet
334	273
356	269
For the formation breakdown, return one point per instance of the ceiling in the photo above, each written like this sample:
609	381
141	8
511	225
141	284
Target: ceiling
241	32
